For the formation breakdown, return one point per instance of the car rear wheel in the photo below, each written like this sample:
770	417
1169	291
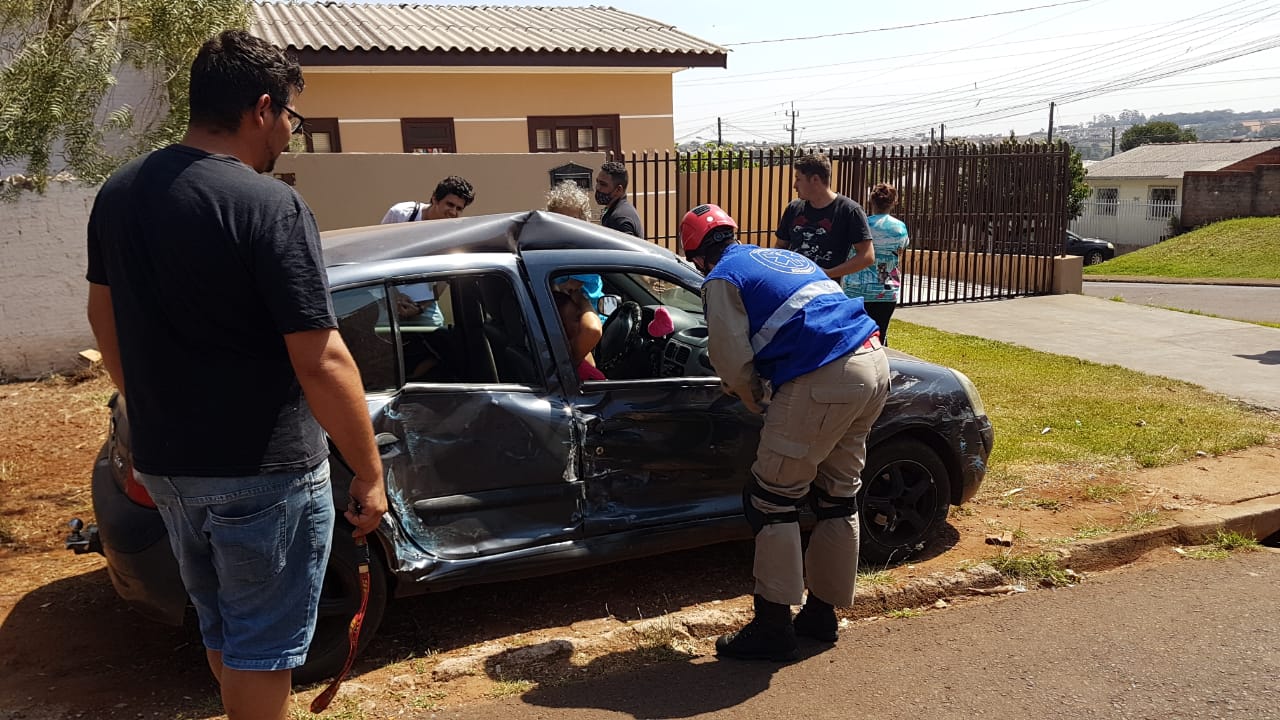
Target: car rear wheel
904	500
1094	257
339	601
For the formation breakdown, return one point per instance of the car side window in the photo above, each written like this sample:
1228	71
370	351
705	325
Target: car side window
468	329
657	330
365	328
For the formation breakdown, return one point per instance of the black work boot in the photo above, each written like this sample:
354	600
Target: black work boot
769	636
817	620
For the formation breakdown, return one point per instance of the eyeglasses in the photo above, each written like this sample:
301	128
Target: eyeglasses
295	120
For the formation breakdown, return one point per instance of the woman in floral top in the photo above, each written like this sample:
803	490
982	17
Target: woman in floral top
879	285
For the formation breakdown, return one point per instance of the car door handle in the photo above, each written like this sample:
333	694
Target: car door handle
387	445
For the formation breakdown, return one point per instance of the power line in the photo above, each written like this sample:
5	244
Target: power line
903	27
956	97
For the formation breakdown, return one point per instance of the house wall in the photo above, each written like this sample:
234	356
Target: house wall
1132	222
1214	196
42	286
42	238
489	109
351	190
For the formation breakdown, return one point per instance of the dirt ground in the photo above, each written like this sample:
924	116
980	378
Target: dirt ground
69	648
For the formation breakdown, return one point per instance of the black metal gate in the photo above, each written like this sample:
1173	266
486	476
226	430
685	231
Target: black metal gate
985	220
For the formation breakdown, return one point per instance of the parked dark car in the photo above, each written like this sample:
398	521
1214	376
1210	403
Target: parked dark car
1093	251
500	464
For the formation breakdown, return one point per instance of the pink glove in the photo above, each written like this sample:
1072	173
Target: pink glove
661	325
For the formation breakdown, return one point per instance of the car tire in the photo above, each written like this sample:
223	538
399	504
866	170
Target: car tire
339	601
1094	257
904	500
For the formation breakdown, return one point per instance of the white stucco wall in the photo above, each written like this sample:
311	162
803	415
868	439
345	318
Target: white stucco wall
42	286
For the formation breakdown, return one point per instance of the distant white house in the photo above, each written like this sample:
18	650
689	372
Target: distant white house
1137	195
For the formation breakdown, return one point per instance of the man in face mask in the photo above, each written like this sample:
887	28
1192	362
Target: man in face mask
611	192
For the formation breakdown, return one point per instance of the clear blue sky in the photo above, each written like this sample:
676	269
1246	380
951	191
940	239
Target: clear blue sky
991	74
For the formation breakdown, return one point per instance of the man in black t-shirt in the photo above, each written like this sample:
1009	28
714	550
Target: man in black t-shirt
823	225
209	301
611	192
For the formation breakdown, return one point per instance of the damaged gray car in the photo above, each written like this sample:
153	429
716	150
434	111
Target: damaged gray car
501	464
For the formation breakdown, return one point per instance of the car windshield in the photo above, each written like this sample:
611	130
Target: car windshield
663	292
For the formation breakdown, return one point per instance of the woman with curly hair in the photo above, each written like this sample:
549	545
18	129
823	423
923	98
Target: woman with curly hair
568	198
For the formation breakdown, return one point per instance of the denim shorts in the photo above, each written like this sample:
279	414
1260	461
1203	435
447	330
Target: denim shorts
252	551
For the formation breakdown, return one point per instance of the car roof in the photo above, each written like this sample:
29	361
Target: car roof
513	233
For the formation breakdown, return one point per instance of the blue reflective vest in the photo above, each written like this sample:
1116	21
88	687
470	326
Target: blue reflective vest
799	318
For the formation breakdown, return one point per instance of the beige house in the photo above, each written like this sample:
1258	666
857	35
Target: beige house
448	79
1137	195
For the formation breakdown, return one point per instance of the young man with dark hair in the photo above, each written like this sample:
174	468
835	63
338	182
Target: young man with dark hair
451	197
824	226
611	192
773	315
209	301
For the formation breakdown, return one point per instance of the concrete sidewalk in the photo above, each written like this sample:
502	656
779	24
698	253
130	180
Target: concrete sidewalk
1236	359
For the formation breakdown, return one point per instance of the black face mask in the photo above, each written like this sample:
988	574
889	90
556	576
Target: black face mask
603	198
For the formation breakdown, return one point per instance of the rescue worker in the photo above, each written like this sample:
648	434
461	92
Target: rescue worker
775	320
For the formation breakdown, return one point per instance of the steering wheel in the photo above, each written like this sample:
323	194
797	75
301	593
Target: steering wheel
621	335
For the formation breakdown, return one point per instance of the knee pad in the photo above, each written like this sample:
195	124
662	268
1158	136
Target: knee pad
840	506
757	518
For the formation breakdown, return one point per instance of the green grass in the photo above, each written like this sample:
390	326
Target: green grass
904	613
1095	413
1042	568
503	688
1107	492
1141	519
1231	540
878	578
1244	248
1091	531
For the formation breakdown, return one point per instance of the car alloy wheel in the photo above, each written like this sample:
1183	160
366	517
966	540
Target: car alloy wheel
904	500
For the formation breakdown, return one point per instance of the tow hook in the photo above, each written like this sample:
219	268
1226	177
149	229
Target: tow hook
83	539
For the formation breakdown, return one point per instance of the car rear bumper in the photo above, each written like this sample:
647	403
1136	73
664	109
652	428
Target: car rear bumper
139	560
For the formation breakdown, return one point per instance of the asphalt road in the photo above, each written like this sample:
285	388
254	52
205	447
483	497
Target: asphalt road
1188	639
1256	304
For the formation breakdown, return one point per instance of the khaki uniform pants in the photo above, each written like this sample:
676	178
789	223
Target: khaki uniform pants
815	431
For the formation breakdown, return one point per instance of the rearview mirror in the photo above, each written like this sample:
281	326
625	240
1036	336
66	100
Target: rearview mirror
608	304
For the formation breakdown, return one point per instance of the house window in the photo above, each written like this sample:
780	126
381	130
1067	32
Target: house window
571	133
322	135
428	135
1162	203
1106	200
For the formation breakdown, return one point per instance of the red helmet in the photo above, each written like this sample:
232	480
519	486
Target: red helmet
699	222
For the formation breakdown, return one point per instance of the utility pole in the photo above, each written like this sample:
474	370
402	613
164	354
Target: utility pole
1051	123
719	133
1113	141
792	127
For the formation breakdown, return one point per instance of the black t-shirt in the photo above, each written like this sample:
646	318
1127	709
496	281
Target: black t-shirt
623	218
827	235
210	264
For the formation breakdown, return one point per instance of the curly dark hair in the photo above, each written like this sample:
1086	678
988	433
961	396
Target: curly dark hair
883	197
231	72
617	171
814	165
454	185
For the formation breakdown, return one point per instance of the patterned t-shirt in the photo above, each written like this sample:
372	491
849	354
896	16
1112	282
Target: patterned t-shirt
882	281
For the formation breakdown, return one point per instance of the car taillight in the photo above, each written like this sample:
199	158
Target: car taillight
135	491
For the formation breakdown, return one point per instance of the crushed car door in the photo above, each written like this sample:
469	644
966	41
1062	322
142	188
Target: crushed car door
482	463
662	444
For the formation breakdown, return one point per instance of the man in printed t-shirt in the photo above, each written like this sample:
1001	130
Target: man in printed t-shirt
823	225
